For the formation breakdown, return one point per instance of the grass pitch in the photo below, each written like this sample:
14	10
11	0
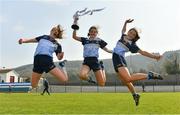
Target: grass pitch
89	103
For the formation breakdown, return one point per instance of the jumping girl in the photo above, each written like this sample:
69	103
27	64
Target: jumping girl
43	57
91	46
126	43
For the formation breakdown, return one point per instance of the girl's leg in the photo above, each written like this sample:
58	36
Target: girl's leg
60	75
150	75
83	75
64	71
129	85
141	76
104	74
100	77
103	70
125	75
35	79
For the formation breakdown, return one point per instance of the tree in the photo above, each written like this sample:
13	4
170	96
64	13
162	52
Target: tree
171	64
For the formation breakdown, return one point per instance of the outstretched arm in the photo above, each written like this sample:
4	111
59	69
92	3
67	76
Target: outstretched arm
33	40
125	24
150	55
107	50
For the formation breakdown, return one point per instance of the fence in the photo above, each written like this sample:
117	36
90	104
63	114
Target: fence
109	89
169	84
112	89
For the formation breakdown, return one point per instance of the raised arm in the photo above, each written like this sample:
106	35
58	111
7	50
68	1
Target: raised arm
74	36
150	55
33	40
107	50
125	24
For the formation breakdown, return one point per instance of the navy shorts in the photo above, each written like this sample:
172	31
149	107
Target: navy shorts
118	61
92	62
43	63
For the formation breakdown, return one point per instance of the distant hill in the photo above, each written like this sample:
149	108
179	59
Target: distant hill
139	62
136	63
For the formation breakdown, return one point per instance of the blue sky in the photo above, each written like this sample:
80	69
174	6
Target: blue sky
159	21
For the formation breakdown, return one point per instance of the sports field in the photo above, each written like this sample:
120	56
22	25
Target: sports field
89	103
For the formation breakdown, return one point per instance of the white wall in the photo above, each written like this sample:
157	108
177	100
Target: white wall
6	76
11	73
3	77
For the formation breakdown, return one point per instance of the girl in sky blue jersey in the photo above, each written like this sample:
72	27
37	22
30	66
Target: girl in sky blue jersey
43	56
127	43
91	45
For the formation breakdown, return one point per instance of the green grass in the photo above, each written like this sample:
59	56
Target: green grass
89	103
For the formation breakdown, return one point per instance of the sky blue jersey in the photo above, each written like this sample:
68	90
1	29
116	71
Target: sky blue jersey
91	47
123	46
47	46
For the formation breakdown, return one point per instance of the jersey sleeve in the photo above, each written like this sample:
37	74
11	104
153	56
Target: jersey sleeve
39	38
83	40
59	49
134	48
102	44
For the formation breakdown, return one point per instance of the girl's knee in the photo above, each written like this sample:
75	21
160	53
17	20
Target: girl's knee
127	80
83	76
33	85
64	80
102	84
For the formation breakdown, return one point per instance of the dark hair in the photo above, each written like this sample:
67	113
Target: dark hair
137	35
92	27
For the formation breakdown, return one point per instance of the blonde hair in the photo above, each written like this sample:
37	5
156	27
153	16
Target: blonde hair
60	31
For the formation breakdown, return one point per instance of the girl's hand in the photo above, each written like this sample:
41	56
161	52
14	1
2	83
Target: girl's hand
20	41
129	20
60	55
158	57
